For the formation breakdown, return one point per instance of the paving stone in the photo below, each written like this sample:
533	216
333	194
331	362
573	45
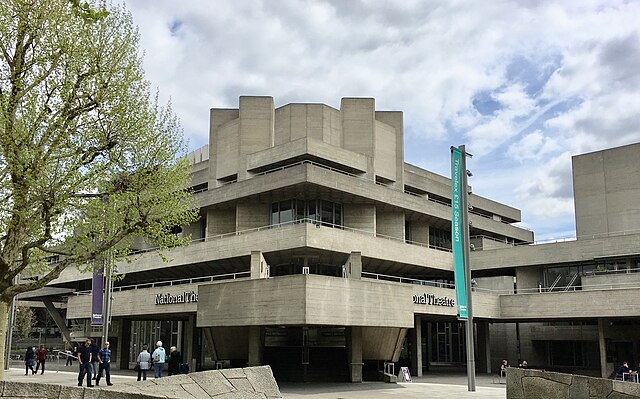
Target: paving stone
579	387
71	392
514	383
26	390
261	378
242	384
213	382
195	391
629	388
233	373
600	387
538	387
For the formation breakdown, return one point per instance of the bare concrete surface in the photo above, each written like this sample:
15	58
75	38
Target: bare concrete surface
433	386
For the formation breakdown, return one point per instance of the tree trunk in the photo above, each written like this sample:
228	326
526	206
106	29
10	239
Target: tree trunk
4	322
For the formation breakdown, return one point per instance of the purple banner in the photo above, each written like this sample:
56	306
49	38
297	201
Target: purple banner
97	297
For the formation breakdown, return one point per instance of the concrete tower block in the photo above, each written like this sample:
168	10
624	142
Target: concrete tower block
257	128
358	128
223	148
395	120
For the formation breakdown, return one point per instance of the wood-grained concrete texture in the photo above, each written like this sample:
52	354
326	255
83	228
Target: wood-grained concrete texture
281	238
555	253
606	187
247	383
304	300
538	384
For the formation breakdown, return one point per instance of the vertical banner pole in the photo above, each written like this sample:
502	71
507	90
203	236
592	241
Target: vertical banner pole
460	246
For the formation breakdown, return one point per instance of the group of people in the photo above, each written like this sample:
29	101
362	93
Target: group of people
158	358
90	358
94	362
37	358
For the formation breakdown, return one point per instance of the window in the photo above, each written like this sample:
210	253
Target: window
327	212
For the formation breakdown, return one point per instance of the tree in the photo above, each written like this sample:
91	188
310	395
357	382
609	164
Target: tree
24	322
89	160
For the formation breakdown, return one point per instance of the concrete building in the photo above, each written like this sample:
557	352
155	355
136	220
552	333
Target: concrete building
320	252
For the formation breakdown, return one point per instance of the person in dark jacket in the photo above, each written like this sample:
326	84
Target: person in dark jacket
94	358
175	360
29	360
84	358
41	356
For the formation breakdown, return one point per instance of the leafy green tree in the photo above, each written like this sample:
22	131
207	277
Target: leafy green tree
24	321
89	161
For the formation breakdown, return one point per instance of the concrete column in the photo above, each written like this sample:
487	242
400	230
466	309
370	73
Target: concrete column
353	266
358	128
257	128
124	342
416	346
188	351
256	345
354	353
259	267
603	347
58	319
484	347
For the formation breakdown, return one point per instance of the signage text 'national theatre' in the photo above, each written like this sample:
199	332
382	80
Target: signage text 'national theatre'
430	299
170	299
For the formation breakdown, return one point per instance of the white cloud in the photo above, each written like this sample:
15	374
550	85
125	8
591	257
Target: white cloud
525	84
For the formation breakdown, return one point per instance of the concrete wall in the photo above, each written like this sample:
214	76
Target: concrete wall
250	215
555	253
610	280
524	384
385	151
140	302
606	187
220	221
570	305
390	223
359	216
250	382
306	299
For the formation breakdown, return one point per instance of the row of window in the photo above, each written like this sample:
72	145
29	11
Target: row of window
324	211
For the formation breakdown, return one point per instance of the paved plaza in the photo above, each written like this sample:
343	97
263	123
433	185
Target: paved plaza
447	386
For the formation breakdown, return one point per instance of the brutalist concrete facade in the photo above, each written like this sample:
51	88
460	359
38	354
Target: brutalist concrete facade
320	252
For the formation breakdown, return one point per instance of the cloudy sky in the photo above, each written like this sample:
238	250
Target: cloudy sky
524	84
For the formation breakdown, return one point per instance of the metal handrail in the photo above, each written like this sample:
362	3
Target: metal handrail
194	280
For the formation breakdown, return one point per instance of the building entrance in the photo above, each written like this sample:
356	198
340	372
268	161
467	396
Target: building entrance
306	353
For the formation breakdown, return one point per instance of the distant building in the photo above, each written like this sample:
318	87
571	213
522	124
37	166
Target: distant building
320	252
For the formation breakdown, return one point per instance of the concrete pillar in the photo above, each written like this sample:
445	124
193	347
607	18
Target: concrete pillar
256	345
353	266
358	128
257	128
259	267
190	340
124	342
354	353
484	347
603	348
217	118
416	347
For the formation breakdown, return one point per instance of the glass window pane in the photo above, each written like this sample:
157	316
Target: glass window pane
286	211
311	210
299	209
327	212
275	218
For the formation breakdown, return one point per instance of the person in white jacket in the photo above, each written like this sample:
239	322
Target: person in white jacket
144	361
159	356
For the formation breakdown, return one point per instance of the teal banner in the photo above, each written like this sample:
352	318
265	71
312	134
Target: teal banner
457	231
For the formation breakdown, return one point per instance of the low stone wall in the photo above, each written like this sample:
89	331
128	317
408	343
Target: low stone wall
538	384
247	383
